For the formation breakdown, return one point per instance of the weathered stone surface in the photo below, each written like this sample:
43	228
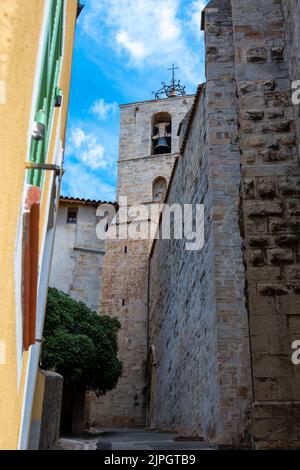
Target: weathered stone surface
267	325
277	53
263	208
52	402
78	254
249	188
275	114
275	425
125	271
273	289
261	242
273	156
257	54
268	218
255	115
257	257
201	303
273	210
266	187
290	186
276	127
287	240
280	256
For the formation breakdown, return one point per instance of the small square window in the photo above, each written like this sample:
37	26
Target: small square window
72	216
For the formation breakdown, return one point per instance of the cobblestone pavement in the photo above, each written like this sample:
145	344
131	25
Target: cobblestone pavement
130	439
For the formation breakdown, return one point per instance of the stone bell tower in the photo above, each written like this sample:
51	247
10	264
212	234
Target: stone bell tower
148	148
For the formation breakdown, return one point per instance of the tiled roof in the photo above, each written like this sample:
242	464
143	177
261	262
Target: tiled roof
78	200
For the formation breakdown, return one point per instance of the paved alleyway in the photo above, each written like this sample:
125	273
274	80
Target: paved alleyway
130	439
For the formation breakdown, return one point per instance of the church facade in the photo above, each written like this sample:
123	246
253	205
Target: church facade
143	175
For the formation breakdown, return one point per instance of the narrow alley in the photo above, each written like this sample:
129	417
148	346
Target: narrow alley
131	439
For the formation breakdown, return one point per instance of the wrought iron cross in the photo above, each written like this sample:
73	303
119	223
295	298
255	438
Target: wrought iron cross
174	89
173	72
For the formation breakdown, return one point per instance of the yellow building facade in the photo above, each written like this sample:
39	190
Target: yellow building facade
36	46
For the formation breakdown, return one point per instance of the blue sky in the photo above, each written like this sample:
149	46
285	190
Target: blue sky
123	49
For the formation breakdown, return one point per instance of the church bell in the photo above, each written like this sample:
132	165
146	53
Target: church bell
162	146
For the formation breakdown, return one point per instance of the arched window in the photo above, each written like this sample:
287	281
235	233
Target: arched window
159	188
161	133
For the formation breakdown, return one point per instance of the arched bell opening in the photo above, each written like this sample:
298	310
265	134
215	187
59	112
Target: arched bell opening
159	188
161	133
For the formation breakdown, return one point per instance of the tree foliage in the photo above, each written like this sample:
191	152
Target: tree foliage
79	344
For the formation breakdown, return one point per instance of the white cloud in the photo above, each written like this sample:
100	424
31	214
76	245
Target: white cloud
195	15
86	148
78	137
80	182
149	32
169	26
136	49
102	109
94	156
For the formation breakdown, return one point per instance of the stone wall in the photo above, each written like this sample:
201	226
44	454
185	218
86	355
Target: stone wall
198	323
247	155
182	310
50	422
124	295
291	12
78	254
234	370
135	125
270	209
124	291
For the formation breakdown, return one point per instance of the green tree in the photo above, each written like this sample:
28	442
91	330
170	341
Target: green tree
79	344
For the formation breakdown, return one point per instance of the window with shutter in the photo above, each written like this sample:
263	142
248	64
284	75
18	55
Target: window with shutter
48	90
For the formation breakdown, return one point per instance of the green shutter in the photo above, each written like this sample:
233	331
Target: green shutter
50	71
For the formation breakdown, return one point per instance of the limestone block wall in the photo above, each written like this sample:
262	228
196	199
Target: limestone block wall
143	172
252	140
291	14
46	412
124	295
135	125
225	178
182	377
51	412
124	291
198	323
137	167
265	60
78	255
63	262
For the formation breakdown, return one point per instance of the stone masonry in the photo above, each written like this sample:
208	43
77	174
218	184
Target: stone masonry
78	253
222	330
270	210
124	290
198	323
